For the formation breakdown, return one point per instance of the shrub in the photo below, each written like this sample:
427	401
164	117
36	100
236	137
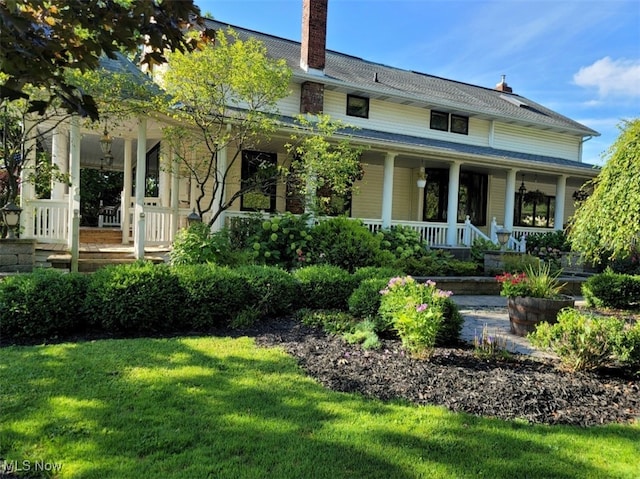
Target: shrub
627	349
612	290
479	246
331	321
42	304
403	242
198	245
282	241
213	295
437	263
582	341
376	272
416	311
517	263
452	322
272	291
628	265
548	243
241	228
346	243
364	302
136	298
324	287
245	318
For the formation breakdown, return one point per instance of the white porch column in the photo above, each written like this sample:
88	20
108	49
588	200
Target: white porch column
452	206
220	194
26	188
387	189
510	200
74	192
420	208
138	215
175	194
164	188
60	158
127	188
561	190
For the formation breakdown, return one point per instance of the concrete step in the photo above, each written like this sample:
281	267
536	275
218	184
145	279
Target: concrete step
91	263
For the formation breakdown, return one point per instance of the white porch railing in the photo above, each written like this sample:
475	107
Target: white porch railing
158	224
518	238
49	223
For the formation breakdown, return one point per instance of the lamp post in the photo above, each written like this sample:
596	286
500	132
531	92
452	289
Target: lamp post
11	214
503	237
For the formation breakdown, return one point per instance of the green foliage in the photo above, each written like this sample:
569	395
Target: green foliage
628	265
556	240
197	244
324	287
627	349
283	241
612	290
242	228
404	242
437	263
136	298
416	312
42	304
604	225
272	291
582	341
364	302
330	320
452	322
480	246
246	318
213	295
344	242
376	272
364	333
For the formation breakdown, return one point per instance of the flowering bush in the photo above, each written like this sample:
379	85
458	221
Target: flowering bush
535	282
416	311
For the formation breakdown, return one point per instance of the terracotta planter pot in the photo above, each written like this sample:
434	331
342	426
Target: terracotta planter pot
525	312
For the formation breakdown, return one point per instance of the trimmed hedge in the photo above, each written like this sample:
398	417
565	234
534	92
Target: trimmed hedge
271	290
612	290
42	304
324	287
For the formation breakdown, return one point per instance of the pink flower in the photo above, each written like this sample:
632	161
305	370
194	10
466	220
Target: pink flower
420	308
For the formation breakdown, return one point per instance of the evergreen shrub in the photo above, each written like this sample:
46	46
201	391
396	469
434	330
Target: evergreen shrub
271	290
612	290
324	287
43	304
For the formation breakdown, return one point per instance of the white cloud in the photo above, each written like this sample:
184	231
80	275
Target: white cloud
611	77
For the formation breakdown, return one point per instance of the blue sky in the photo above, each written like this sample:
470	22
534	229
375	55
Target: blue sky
580	58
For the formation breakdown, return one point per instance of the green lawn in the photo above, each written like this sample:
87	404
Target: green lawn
219	407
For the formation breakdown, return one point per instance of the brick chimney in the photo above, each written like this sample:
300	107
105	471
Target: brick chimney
314	34
312	53
502	86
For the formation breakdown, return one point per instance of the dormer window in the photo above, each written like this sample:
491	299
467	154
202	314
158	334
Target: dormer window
460	124
357	106
439	120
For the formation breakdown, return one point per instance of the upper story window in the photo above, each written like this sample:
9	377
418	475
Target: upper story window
357	106
444	121
460	124
258	175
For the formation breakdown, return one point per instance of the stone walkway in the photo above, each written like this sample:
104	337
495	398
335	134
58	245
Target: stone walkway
491	311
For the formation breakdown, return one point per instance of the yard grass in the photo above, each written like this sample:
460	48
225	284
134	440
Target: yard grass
201	407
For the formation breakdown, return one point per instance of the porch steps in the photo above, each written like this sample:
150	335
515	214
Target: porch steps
100	235
95	256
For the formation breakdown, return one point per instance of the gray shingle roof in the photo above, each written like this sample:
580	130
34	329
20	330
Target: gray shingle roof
394	84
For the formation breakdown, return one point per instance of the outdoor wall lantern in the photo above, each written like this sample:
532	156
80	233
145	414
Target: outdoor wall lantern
11	214
422	178
503	237
193	218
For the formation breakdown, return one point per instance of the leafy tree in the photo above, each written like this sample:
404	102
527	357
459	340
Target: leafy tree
40	40
607	225
224	96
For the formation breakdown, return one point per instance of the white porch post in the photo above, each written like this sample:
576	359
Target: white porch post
164	188
561	190
74	192
510	199
220	194
138	216
420	200
27	190
60	158
175	194
452	206
127	188
387	189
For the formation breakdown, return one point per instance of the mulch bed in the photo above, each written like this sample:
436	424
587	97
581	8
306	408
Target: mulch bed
533	390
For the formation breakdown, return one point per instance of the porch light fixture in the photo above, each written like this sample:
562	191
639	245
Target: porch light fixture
523	189
11	214
503	237
105	145
422	178
193	218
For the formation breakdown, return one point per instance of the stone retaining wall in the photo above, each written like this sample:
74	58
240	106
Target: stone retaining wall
17	255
